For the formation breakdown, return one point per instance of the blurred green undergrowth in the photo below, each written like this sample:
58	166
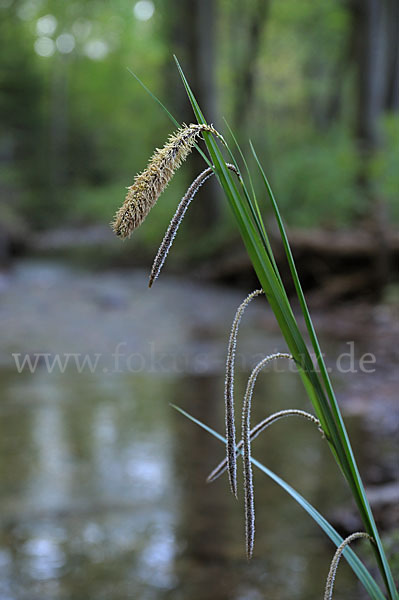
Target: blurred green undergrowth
74	128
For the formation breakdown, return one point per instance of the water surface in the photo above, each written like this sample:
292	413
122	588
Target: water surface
103	489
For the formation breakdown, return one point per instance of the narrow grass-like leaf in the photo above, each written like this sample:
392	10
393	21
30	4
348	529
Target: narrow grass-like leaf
155	98
254	208
253	194
171	117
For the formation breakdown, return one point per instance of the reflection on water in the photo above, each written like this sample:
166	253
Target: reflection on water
103	485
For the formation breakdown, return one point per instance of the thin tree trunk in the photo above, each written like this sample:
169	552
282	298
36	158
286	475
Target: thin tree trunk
371	54
392	90
374	25
59	127
191	36
333	107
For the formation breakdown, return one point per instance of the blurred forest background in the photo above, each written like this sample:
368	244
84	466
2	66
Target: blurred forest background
103	485
315	85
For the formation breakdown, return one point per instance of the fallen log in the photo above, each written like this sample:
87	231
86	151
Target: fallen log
333	265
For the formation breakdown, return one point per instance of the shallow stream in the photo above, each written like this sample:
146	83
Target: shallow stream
103	492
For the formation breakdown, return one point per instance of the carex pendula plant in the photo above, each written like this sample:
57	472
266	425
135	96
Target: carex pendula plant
243	201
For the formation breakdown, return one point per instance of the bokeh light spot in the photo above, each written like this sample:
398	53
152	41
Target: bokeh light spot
82	28
143	10
96	49
46	25
44	46
65	43
28	10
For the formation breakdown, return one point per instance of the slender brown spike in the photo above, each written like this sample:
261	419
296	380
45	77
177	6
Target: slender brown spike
229	393
335	561
258	429
177	219
149	184
246	438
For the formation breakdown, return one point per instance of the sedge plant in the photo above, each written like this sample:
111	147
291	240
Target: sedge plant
240	194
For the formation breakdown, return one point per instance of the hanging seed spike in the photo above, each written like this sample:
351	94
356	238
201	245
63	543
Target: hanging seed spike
229	393
150	183
177	218
257	430
246	438
335	561
175	224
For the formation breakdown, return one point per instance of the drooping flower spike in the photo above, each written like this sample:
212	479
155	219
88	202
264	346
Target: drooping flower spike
177	219
229	392
246	438
150	184
335	561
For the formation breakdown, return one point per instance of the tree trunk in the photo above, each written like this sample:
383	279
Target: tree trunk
374	24
190	31
392	89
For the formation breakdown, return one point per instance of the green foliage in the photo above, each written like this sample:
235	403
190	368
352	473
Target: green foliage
67	116
308	175
72	122
20	97
385	166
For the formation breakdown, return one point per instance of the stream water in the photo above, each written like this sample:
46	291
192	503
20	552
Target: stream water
103	492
